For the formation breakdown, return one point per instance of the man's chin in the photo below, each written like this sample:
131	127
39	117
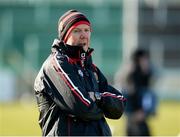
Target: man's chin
85	48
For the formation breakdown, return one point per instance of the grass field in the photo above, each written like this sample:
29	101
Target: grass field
19	119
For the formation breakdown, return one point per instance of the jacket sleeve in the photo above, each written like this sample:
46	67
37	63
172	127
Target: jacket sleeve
66	89
112	101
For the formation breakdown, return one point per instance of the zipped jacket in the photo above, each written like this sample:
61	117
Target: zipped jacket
61	88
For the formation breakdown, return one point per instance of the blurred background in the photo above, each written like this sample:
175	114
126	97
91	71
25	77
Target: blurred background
27	30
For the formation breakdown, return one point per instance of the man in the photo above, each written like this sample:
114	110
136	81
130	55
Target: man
142	100
72	94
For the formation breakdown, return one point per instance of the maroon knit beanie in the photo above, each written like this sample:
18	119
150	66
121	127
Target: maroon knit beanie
68	21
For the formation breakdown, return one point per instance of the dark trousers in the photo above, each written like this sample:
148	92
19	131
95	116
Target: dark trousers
137	128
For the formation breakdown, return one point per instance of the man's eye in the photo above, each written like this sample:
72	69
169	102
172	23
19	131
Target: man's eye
76	30
87	30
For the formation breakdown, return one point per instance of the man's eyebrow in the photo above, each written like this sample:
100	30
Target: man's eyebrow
81	28
76	28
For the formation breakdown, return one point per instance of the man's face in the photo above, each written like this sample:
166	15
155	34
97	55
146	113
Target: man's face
80	36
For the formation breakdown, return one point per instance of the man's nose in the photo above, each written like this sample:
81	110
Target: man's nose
83	34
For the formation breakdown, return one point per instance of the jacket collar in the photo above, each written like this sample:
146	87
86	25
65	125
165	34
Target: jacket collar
76	53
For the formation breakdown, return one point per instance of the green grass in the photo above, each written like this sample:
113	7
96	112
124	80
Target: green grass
19	119
165	123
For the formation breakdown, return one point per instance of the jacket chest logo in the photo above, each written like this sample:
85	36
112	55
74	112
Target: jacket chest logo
80	73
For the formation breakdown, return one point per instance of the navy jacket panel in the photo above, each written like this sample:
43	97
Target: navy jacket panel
113	102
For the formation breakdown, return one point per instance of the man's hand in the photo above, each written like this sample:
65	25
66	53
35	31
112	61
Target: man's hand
91	94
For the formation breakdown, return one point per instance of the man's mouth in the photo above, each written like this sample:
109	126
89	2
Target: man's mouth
82	44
